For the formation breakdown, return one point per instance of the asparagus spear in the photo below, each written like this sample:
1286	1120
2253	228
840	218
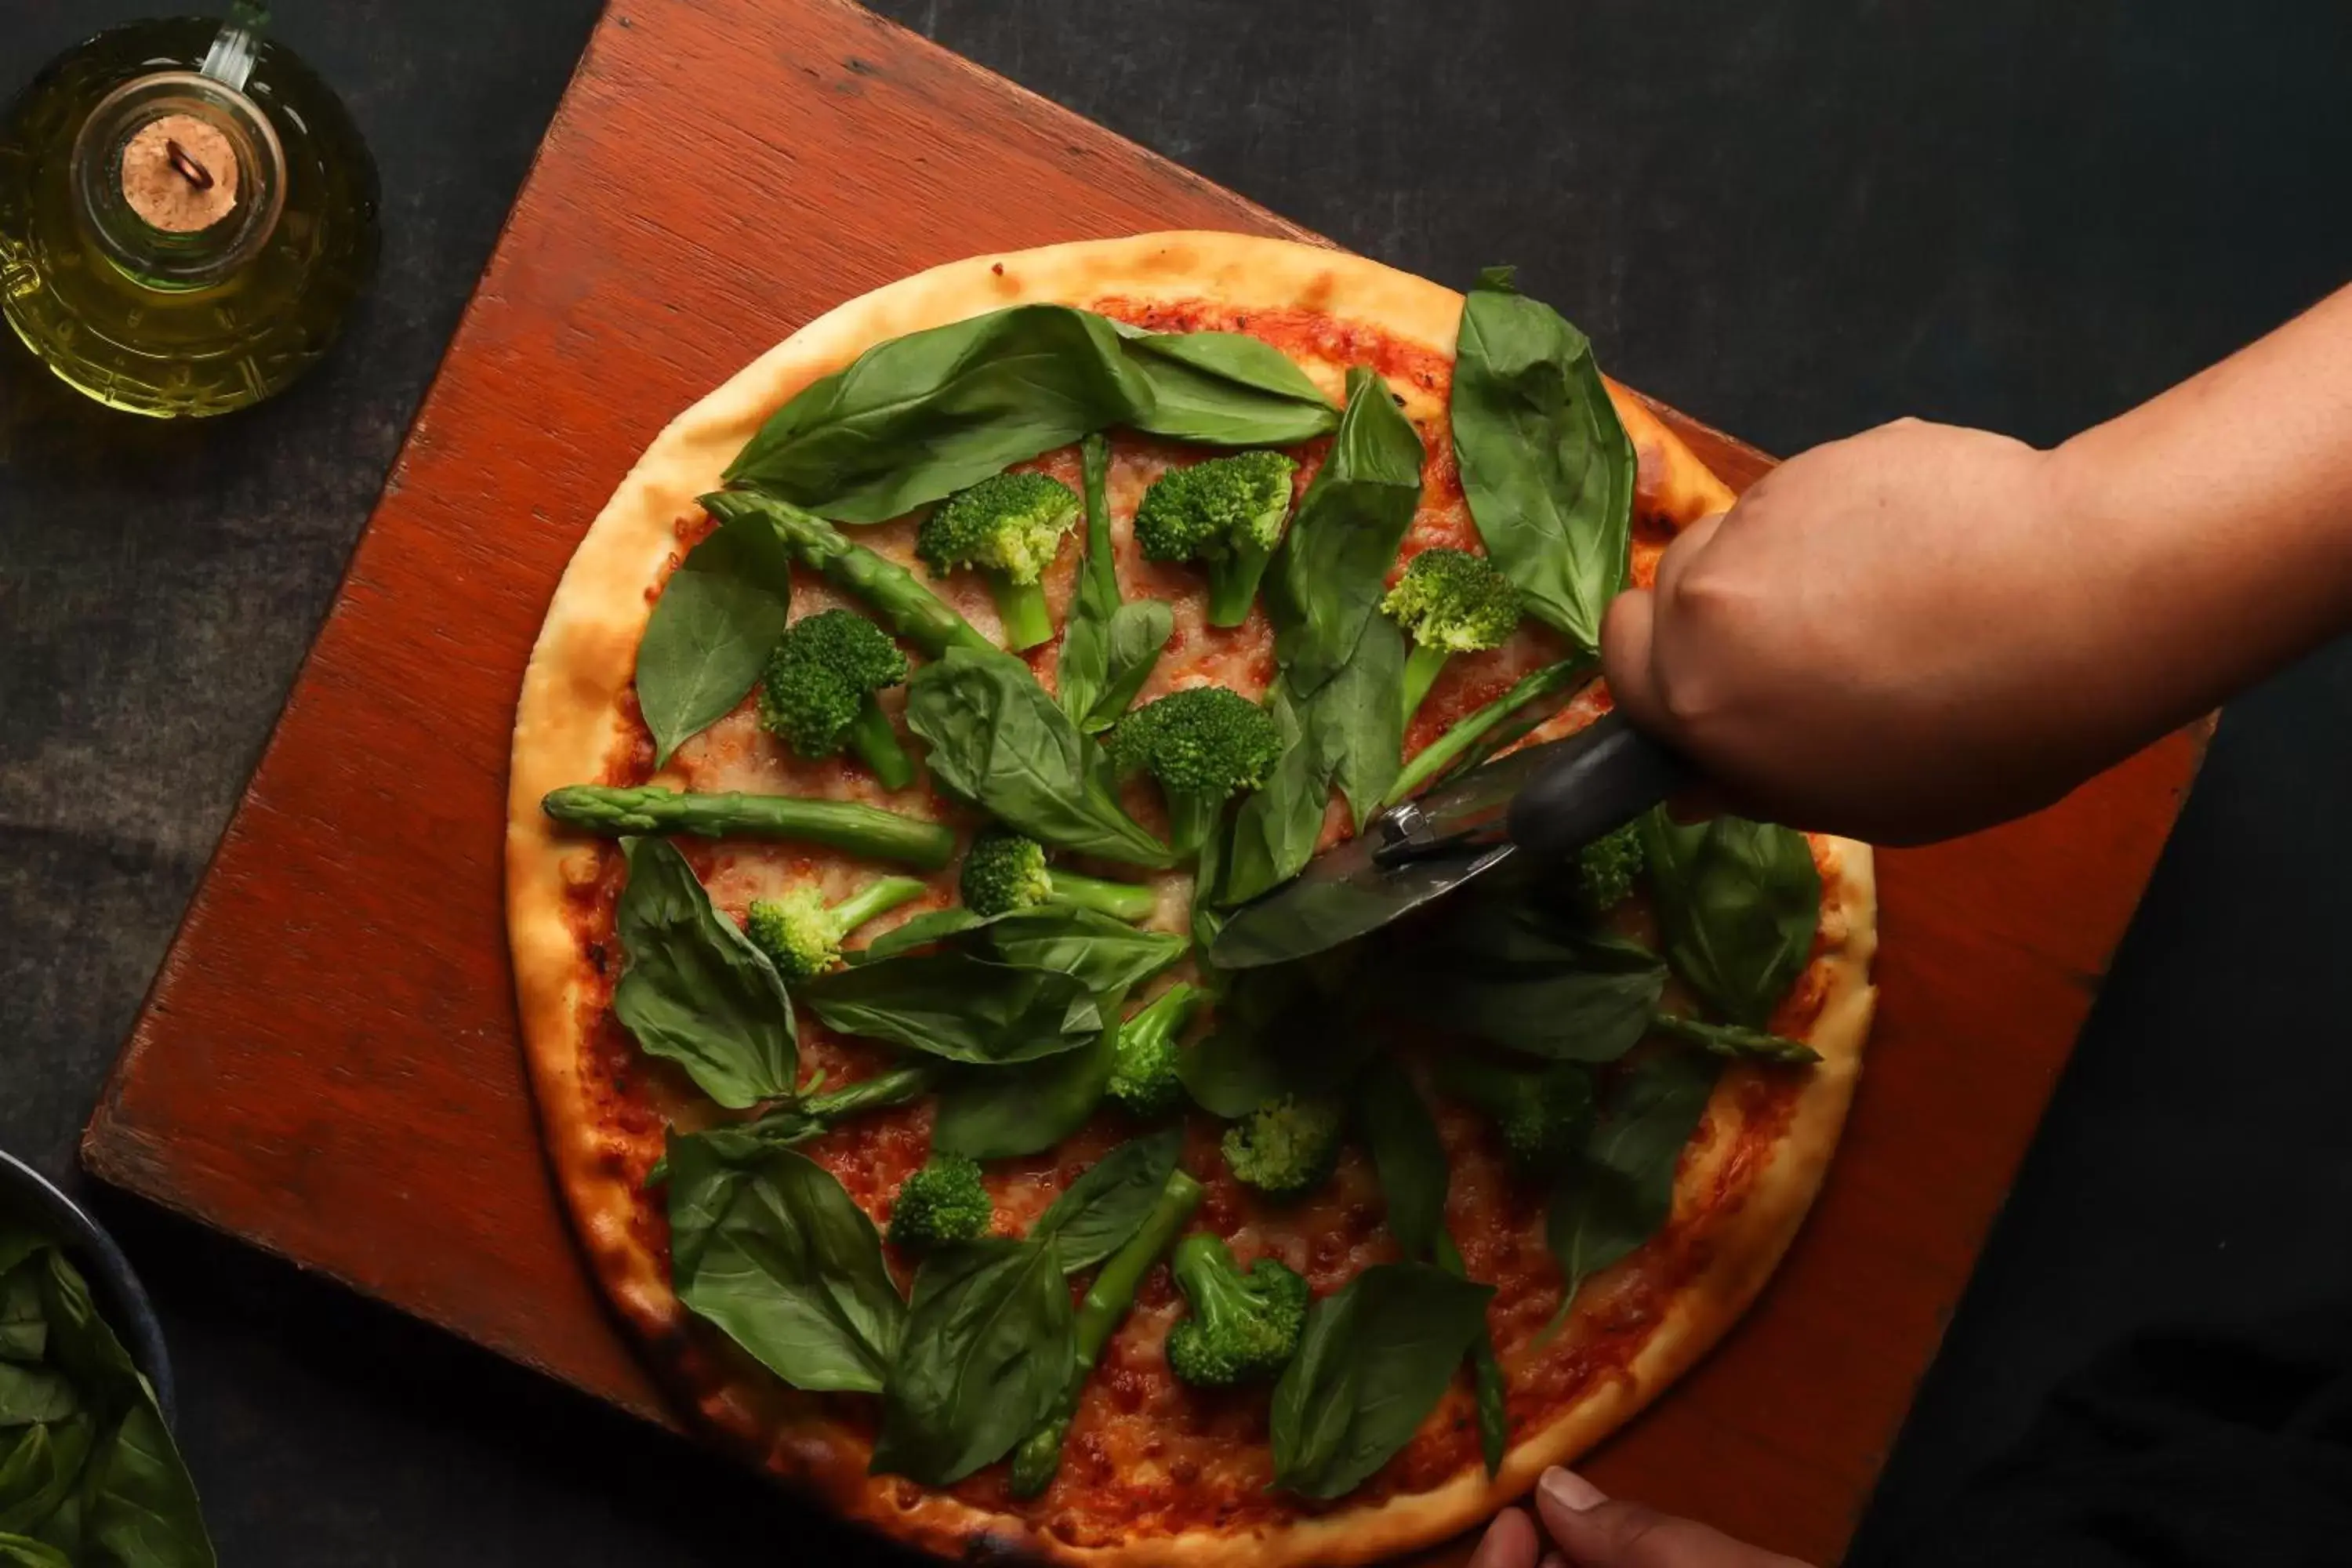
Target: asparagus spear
1731	1040
839	823
888	589
1481	732
1039	1457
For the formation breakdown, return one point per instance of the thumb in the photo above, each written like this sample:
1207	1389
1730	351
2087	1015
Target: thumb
1595	1532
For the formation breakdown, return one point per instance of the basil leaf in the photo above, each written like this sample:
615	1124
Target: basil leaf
113	1479
23	1469
1356	723
1290	1029
1376	1358
712	631
1004	1112
1737	903
956	1005
1109	1203
695	990
1546	464
1070	956
1511	969
1327	578
1410	1158
1402	1138
24	1551
1232	1071
1274	832
1335	699
920	416
23	1326
986	1350
765	1244
34	1394
1083	662
1108	648
1623	1188
1227	389
1100	952
145	1509
999	742
80	1342
1493	1394
924	930
1572	1014
42	1475
1097	951
1139	631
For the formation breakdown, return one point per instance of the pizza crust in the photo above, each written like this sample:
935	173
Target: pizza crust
570	720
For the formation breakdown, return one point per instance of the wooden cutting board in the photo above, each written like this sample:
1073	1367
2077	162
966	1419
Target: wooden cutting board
328	1063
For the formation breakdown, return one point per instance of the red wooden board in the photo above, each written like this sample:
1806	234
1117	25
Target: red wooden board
328	1063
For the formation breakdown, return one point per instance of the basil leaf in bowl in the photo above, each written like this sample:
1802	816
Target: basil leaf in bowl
88	1471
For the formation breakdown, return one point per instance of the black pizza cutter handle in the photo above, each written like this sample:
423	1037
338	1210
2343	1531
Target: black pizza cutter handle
1595	782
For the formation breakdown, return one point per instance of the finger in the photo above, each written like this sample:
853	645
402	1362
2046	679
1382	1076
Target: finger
1625	653
1562	1489
1617	1535
1595	1532
1509	1542
1553	1559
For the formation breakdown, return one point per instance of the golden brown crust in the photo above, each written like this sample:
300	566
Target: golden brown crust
571	718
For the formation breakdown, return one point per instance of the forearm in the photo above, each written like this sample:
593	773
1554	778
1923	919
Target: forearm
2215	527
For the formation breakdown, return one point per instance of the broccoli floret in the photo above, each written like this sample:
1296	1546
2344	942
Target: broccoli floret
1286	1147
1448	602
1204	745
819	689
1145	1054
1605	869
943	1201
801	935
1543	1114
1453	600
1242	1327
1227	512
1003	871
1008	527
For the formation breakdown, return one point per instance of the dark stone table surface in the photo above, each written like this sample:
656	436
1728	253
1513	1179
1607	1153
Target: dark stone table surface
1794	220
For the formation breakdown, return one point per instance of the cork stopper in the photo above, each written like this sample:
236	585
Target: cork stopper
180	173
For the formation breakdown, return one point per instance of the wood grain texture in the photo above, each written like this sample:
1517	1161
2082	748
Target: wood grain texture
328	1065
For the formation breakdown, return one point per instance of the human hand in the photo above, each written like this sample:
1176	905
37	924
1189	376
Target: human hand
1895	636
1591	1531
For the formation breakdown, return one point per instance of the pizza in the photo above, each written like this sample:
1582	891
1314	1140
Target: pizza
897	739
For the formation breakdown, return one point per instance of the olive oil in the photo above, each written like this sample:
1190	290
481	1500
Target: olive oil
186	214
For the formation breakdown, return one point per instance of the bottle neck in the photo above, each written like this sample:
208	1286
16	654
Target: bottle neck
178	179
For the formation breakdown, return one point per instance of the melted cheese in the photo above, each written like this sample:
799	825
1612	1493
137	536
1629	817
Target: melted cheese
1147	1454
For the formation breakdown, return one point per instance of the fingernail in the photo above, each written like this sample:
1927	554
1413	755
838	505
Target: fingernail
1569	1491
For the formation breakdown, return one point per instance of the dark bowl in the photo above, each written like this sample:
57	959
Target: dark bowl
29	1198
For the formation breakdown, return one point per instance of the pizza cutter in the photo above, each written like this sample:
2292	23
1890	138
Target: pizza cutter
1547	801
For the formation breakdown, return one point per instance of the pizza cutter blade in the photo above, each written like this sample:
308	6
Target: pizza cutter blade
1547	801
